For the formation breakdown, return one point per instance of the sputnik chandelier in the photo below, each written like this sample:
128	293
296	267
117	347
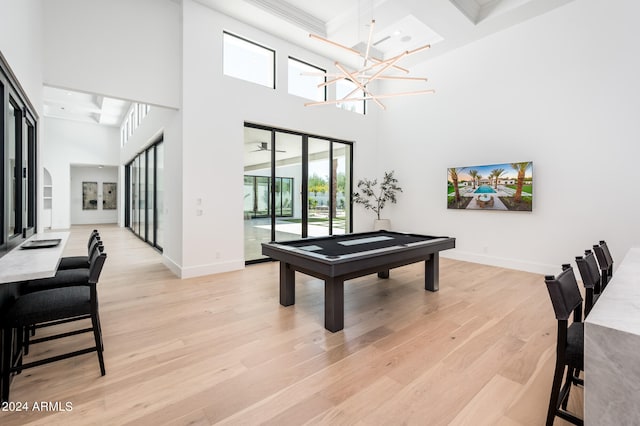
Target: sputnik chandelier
372	69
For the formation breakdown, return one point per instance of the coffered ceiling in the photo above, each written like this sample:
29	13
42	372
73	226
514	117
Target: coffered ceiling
400	24
84	107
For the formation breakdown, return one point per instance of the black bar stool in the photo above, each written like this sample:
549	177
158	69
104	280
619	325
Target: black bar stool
566	300
50	307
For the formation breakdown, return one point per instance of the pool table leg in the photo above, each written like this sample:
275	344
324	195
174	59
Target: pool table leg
333	304
432	272
287	285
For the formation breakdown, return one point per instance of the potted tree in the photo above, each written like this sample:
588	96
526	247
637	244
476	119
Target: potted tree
374	198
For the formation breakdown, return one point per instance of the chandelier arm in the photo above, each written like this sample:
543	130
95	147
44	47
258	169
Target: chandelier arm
419	49
387	66
366	98
379	61
399	77
354	51
321	74
347	96
333	43
378	64
332	81
355	81
366	55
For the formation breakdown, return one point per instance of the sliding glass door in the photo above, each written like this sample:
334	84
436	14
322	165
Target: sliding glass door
295	186
145	195
17	162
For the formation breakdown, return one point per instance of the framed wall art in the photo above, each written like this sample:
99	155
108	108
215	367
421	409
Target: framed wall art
506	187
109	196
89	195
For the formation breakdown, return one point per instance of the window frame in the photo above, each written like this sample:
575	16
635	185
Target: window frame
292	58
253	43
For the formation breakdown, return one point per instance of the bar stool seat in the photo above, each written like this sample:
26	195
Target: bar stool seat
80	262
64	277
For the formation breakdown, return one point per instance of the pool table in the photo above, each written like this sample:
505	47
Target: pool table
338	258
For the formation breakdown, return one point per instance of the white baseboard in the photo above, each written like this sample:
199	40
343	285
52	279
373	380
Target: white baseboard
200	270
520	265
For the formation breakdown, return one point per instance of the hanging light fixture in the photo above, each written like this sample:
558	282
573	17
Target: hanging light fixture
372	69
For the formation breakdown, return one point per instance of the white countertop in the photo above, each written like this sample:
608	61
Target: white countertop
619	305
611	348
21	264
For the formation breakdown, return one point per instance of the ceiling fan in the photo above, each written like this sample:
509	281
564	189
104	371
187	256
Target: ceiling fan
264	146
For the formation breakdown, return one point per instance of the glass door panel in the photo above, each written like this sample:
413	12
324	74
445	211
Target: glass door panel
341	188
262	196
288	165
143	196
257	170
319	196
160	195
249	196
12	208
150	194
135	194
286	197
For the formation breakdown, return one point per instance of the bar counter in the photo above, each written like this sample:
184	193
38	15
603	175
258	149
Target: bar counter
612	350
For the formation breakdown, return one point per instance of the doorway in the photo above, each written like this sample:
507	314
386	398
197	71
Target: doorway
296	185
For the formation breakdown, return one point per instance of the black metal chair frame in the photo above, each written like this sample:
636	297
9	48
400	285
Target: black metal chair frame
13	328
567	301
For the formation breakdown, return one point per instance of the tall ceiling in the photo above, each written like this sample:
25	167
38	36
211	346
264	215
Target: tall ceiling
400	25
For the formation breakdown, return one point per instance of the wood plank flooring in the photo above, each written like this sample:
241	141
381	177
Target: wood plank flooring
221	350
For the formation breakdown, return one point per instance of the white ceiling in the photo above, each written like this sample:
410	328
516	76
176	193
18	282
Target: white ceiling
446	24
84	107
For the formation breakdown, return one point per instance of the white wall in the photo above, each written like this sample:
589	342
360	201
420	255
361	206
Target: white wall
74	143
167	123
215	108
100	175
128	50
560	90
118	48
22	45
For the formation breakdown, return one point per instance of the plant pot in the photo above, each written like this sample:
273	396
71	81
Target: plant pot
382	225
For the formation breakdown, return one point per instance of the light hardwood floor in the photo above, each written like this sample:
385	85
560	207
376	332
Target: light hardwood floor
221	350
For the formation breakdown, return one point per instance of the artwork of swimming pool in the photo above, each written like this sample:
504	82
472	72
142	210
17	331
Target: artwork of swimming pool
506	186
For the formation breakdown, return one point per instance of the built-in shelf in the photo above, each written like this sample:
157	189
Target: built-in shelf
47	199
